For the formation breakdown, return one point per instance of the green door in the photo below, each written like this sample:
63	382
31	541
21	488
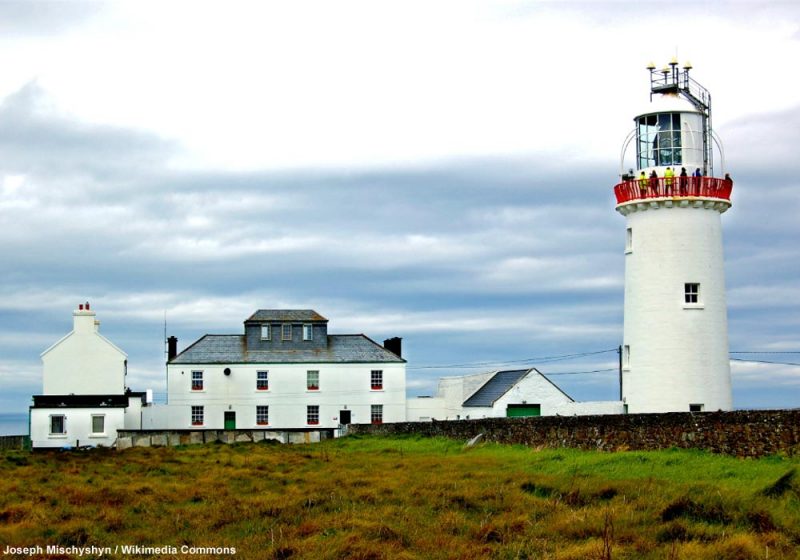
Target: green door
517	410
230	420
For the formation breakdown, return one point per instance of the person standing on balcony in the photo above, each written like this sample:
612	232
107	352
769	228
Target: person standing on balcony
669	180
654	182
697	177
683	179
728	184
643	185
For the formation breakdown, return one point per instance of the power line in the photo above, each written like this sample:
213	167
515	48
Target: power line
579	372
766	352
764	362
541	359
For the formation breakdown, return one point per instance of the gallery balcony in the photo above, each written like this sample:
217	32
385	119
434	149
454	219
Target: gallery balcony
674	188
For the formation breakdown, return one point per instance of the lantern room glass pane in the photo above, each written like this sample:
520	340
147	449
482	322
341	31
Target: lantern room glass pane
659	140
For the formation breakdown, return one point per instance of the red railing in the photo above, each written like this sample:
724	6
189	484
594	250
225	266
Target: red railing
673	187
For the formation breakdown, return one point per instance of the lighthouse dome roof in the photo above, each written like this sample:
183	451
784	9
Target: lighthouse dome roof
667	103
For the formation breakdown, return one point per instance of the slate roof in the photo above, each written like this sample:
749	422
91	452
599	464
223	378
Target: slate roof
232	349
500	383
286	316
497	386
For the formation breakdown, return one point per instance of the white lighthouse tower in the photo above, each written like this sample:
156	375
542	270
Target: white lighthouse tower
675	339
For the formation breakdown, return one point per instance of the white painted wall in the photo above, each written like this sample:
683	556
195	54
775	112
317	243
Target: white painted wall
678	352
425	409
342	387
133	414
592	408
78	427
83	362
532	389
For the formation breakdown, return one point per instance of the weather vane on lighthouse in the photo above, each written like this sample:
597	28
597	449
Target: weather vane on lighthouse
675	335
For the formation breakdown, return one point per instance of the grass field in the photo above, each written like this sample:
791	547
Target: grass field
369	497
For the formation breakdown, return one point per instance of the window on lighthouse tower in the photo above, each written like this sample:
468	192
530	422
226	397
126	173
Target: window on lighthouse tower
691	292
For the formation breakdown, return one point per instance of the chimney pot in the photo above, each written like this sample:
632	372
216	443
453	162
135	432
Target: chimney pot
80	307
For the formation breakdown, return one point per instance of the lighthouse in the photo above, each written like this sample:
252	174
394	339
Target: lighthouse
675	335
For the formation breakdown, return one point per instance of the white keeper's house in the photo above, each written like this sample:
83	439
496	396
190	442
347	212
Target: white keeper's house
84	398
285	373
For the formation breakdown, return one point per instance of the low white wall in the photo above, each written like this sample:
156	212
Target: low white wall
592	408
78	427
425	409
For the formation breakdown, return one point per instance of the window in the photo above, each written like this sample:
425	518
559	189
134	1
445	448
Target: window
266	332
659	140
286	331
691	293
308	333
629	240
262	380
696	408
98	424
262	415
312	380
58	424
197	381
626	356
312	414
376	379
376	413
197	416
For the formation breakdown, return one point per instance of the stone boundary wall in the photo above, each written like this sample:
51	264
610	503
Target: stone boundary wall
171	438
745	433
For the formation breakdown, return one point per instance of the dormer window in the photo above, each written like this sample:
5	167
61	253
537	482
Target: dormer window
266	332
307	332
286	331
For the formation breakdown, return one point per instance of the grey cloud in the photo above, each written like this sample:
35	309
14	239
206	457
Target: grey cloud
36	140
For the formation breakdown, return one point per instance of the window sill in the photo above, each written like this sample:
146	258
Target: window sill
262	425
57	436
628	251
378	390
198	390
98	435
262	390
312	390
626	368
693	306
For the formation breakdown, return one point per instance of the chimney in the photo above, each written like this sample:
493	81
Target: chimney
394	345
83	320
172	348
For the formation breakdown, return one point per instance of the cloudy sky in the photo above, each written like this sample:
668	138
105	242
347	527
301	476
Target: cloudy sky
439	171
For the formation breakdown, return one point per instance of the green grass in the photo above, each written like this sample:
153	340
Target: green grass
406	497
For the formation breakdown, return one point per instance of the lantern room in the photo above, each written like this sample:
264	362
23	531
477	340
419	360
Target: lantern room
675	128
670	135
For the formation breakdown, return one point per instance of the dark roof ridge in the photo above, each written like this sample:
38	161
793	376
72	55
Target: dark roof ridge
285	315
